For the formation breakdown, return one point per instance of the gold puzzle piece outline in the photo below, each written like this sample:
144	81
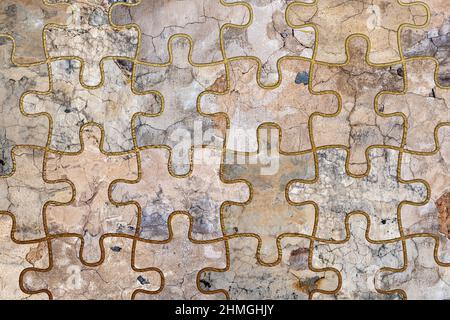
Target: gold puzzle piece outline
313	150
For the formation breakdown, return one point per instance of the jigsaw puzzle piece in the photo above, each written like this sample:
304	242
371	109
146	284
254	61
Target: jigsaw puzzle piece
201	193
379	194
15	127
289	105
357	259
14	258
425	105
423	277
181	259
291	279
25	20
431	40
90	37
26	193
268	38
201	20
113	278
434	216
268	216
336	20
91	214
179	125
114	106
357	126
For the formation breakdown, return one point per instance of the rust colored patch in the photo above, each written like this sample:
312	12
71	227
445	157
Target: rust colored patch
220	85
37	253
443	205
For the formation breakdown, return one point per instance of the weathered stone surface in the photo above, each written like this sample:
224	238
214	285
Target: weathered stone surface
336	20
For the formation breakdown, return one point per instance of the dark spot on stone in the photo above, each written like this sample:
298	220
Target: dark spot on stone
302	78
142	280
235	229
116	249
67	110
125	65
433	93
299	251
383	221
205	283
11	10
400	72
284	35
2	162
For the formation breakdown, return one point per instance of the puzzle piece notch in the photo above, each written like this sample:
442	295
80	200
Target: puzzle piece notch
425	105
357	260
181	260
113	106
14	258
179	125
248	105
379	193
92	214
14	81
199	19
25	22
25	193
336	20
90	37
201	193
113	279
423	278
433	217
247	279
268	37
357	126
268	215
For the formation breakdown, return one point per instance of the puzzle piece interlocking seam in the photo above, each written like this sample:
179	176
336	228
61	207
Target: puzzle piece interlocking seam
371	22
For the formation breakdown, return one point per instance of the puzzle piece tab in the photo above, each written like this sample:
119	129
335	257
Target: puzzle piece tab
181	260
113	105
289	105
423	278
90	37
268	37
91	213
25	20
336	20
14	81
26	192
425	105
114	279
201	193
357	126
246	279
358	261
431	40
201	20
14	258
180	126
379	193
268	215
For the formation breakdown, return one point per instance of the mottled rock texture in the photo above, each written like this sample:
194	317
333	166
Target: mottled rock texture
224	149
